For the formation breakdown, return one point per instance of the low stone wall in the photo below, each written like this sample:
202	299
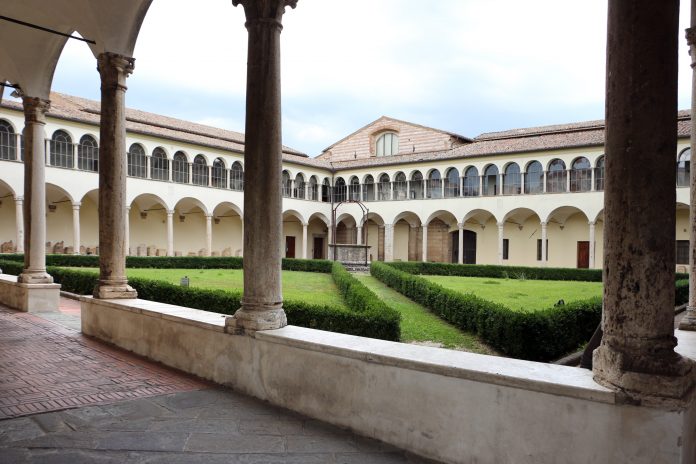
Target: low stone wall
451	406
28	297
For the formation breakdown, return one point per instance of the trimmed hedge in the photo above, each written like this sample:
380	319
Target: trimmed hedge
538	336
505	272
178	262
368	316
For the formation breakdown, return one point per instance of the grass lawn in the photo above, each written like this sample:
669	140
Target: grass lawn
420	325
312	287
525	295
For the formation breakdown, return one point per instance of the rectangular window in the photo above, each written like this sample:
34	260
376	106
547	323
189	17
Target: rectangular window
539	249
506	248
682	252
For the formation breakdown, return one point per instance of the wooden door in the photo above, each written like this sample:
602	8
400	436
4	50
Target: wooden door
318	252
469	247
289	246
583	255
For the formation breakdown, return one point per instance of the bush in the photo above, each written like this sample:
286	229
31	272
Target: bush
538	336
681	293
367	316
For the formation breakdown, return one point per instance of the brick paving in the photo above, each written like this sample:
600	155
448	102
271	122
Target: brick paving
46	366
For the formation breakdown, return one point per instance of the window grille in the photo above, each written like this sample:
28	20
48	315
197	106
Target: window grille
8	141
61	150
180	168
159	165
88	154
137	161
199	171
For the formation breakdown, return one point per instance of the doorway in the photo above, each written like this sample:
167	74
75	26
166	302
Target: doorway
583	255
289	246
318	251
469	247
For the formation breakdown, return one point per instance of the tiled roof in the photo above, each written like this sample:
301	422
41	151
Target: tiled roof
140	122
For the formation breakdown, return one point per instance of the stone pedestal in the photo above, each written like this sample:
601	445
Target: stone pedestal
113	70
28	297
350	254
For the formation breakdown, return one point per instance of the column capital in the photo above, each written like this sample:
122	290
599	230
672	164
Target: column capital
19	199
591	223
35	109
543	224
76	205
501	225
460	225
305	224
170	212
114	69
265	12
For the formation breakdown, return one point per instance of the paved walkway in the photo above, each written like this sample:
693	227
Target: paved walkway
69	399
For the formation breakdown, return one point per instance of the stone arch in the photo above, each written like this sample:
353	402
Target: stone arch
293	213
408	236
59	220
227	229
8	219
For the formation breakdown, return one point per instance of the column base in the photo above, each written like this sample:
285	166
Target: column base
109	290
249	321
650	378
688	322
34	277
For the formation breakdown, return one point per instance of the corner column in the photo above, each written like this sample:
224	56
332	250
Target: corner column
76	228
425	243
592	244
460	257
208	234
636	355
262	304
688	322
113	211
170	232
544	239
388	242
19	224
35	192
304	240
501	234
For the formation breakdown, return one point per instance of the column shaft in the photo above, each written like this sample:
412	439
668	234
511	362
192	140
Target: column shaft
592	244
113	230
544	239
360	235
263	232
170	233
126	232
35	192
460	257
425	243
388	242
637	354
76	228
304	240
19	224
208	235
501	234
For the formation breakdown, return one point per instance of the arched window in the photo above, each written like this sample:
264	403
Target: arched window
313	190
384	188
471	182
299	191
137	161
180	168
326	191
61	148
490	180
199	171
434	187
219	174
8	141
369	189
286	184
387	144
581	175
237	176
339	190
417	187
400	186
534	178
684	168
556	177
354	189
88	154
512	180
599	174
159	164
452	183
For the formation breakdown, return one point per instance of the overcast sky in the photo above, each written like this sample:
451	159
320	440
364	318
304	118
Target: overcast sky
466	66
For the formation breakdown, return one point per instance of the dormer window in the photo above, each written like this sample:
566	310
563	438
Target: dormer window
387	144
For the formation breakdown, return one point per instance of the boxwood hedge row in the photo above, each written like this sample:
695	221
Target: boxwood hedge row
538	336
367	316
503	272
178	262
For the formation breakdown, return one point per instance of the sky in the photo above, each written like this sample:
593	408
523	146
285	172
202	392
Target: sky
465	66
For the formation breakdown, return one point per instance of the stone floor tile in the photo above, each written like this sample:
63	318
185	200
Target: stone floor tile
19	429
228	443
329	443
271	426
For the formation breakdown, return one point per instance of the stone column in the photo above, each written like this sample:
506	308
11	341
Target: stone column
592	244
501	234
636	355
544	239
126	233
208	234
388	242
522	174
304	240
76	228
170	232
460	257
360	235
262	304
19	223
35	192
425	243
113	168
688	322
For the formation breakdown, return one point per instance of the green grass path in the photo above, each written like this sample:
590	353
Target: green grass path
420	325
